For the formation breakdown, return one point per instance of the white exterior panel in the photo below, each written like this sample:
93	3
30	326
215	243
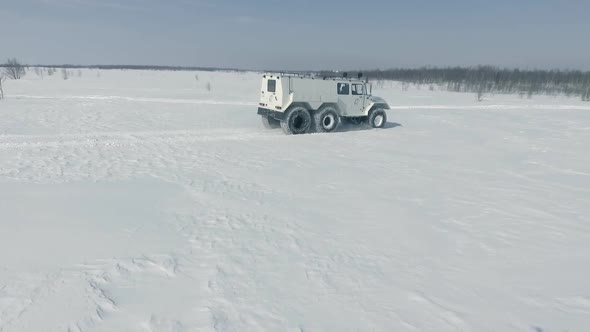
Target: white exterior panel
279	91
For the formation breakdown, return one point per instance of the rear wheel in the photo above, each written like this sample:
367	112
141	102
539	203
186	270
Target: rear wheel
297	121
269	122
326	120
377	118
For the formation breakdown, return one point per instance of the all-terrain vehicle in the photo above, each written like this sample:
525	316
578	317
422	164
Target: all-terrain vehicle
303	103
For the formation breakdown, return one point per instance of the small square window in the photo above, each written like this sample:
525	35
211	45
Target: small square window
343	88
272	86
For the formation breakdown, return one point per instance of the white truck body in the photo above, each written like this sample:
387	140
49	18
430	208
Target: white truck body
351	96
300	103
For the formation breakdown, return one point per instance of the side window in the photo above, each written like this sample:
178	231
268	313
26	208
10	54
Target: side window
358	89
272	86
343	88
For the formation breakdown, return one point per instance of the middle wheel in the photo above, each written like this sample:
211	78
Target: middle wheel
326	120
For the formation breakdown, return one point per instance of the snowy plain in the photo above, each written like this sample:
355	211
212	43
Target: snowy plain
141	201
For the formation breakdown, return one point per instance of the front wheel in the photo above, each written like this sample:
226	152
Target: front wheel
377	118
297	121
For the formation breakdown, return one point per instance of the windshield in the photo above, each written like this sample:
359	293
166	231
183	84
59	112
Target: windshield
358	89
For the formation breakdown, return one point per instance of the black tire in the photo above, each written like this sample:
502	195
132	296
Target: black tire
297	121
377	118
269	122
326	120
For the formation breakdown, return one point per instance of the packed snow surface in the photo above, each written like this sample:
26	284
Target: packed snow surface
143	201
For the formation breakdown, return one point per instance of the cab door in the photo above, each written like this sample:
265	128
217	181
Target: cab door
351	98
360	96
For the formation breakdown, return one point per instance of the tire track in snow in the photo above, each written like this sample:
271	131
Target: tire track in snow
493	107
246	103
119	156
8	142
141	99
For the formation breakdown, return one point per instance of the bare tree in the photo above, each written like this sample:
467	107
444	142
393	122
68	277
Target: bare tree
39	72
13	69
2	80
481	93
208	87
64	73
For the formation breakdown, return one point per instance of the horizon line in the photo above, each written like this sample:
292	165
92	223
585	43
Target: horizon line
205	68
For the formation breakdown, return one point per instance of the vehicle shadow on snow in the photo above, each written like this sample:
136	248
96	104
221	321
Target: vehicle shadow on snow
351	127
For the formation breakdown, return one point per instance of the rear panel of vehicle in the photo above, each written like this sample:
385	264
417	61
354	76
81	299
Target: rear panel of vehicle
272	92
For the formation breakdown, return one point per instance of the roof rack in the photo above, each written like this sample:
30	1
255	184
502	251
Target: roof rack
292	74
343	75
318	75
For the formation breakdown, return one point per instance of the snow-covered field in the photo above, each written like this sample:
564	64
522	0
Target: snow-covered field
141	201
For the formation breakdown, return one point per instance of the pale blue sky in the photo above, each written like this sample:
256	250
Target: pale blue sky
299	34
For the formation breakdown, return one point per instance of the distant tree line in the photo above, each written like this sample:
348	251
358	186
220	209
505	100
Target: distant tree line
128	67
481	80
486	79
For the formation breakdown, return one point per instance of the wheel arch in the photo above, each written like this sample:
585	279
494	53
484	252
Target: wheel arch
332	105
384	106
305	105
